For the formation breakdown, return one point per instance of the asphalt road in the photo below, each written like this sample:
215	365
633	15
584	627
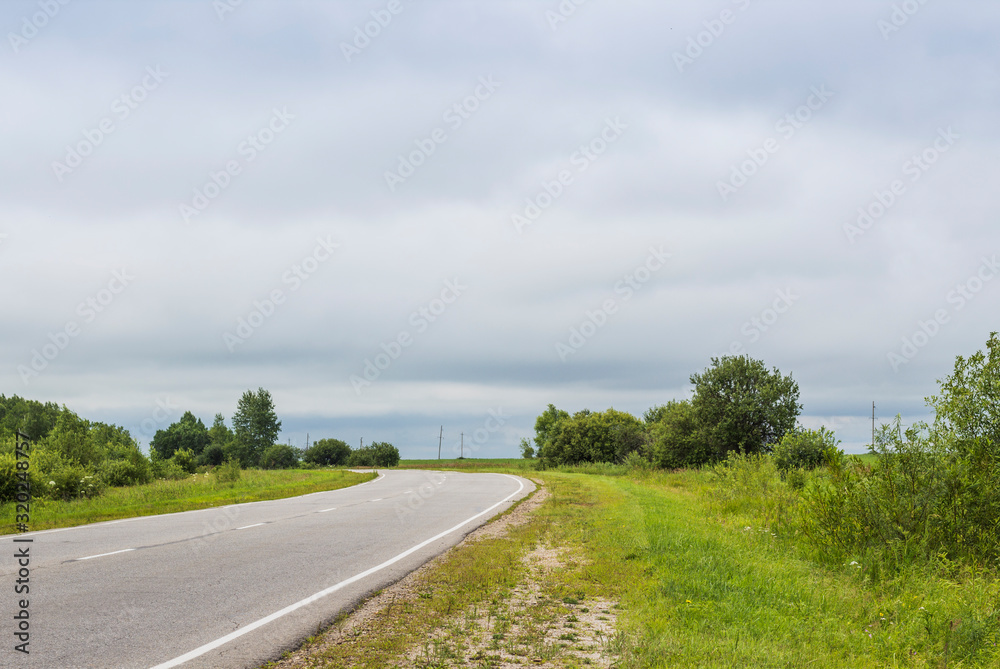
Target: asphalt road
233	586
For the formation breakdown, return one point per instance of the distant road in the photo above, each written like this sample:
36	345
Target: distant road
232	586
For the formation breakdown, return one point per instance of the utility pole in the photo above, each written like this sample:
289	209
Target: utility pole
873	424
463	444
440	437
307	441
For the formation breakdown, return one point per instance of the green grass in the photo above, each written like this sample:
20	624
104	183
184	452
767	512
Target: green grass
703	579
198	491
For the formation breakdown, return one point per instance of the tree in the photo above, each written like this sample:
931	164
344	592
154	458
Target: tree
545	425
385	454
607	436
967	408
527	450
255	425
279	456
675	438
741	406
189	433
328	453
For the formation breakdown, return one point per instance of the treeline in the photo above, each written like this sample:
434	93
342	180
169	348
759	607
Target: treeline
738	406
72	457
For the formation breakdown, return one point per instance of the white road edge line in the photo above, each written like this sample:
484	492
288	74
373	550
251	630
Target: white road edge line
246	527
333	508
198	652
91	557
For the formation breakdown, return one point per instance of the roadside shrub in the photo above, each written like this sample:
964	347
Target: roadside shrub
228	472
185	459
70	482
385	454
124	472
805	449
674	435
327	452
749	483
167	469
279	456
212	456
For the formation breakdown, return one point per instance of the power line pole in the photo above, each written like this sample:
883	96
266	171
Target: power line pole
440	437
463	444
873	424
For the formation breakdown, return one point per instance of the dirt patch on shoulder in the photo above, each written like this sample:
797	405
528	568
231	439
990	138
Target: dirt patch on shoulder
361	620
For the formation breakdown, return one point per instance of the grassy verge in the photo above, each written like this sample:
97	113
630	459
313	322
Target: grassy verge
199	491
700	578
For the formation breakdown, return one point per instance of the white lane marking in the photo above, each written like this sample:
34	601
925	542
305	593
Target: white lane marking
246	527
208	647
91	557
332	508
377	500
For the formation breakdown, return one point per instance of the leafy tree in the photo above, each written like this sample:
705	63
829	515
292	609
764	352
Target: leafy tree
609	436
361	457
804	448
213	455
189	433
545	425
29	416
385	454
967	408
279	456
328	452
256	425
219	433
527	450
675	439
741	406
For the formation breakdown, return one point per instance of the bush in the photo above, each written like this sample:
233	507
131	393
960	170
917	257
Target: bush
71	482
327	452
806	449
185	459
279	456
674	434
228	472
385	454
608	436
125	472
213	455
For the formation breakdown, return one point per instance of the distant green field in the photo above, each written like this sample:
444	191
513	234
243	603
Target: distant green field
468	464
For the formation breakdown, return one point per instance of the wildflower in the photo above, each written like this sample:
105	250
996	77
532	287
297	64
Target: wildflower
688	601
52	482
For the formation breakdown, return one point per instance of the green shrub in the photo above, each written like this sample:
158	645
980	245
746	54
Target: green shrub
279	456
185	459
806	449
212	456
327	452
228	472
69	482
125	472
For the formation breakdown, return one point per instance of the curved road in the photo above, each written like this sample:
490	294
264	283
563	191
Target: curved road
233	586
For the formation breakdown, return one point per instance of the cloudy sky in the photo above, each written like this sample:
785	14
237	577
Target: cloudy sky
399	215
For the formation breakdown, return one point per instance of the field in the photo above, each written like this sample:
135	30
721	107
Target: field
198	491
689	570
